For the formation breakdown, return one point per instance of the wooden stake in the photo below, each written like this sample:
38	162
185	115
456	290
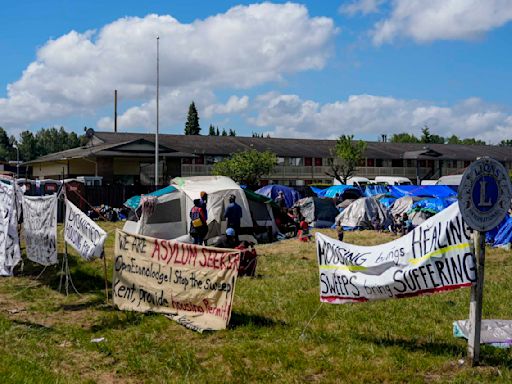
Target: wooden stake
475	305
105	276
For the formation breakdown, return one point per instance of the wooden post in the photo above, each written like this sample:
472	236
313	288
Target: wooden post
105	276
475	305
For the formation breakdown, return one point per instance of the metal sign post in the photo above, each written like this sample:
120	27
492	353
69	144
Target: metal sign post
484	199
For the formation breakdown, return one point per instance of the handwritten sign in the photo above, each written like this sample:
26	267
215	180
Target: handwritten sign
9	242
192	285
436	256
40	227
83	234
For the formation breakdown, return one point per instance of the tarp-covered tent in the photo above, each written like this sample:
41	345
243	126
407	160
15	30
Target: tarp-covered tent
439	191
134	201
271	191
375	189
320	213
344	191
504	236
359	214
403	205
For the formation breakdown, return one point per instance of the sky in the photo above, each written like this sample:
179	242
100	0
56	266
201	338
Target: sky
310	69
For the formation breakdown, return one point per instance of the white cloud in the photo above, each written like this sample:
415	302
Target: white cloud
367	116
361	6
425	21
234	104
244	47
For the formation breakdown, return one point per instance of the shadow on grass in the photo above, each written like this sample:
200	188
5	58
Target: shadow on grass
412	345
96	303
243	319
84	276
29	324
120	320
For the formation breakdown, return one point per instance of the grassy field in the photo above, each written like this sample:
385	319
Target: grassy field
279	331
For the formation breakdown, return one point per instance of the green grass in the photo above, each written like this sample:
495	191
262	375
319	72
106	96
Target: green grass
279	331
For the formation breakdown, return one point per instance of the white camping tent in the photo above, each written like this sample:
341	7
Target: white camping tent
169	218
218	189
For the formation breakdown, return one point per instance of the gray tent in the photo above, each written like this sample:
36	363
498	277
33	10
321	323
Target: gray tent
403	204
359	214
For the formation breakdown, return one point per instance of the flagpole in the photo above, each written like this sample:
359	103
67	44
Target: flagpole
157	111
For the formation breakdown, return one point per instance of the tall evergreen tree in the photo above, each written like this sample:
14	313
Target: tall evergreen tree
224	133
192	125
211	130
217	133
232	132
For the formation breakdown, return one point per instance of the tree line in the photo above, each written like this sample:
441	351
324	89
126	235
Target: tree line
32	146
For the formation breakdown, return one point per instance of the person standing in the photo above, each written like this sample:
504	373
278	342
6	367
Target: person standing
204	201
280	200
233	214
198	227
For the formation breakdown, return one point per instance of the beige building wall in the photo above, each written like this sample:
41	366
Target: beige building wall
47	170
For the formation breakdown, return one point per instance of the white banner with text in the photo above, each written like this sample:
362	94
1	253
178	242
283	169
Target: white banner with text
9	242
83	234
40	227
436	256
191	284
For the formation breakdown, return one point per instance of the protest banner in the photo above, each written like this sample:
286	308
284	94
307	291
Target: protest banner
10	254
40	227
83	234
191	284
436	256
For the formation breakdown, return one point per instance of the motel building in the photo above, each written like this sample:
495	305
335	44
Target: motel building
128	158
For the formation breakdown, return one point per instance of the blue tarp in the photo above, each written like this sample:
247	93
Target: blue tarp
134	201
271	191
504	235
340	189
432	204
387	201
372	190
439	191
490	235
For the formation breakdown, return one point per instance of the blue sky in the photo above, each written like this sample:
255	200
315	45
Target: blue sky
309	69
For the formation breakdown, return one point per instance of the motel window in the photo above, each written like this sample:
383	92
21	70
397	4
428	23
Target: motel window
370	162
295	161
430	163
466	163
410	163
199	159
397	163
308	161
379	162
361	163
186	160
280	161
318	161
213	159
422	163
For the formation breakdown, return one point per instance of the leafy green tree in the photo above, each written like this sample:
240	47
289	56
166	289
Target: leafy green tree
28	146
428	138
5	146
246	167
347	154
192	125
505	143
473	141
404	138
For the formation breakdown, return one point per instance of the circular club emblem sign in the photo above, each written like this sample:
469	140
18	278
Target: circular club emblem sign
484	194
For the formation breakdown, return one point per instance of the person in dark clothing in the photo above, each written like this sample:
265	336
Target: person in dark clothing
198	227
280	200
226	241
233	214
